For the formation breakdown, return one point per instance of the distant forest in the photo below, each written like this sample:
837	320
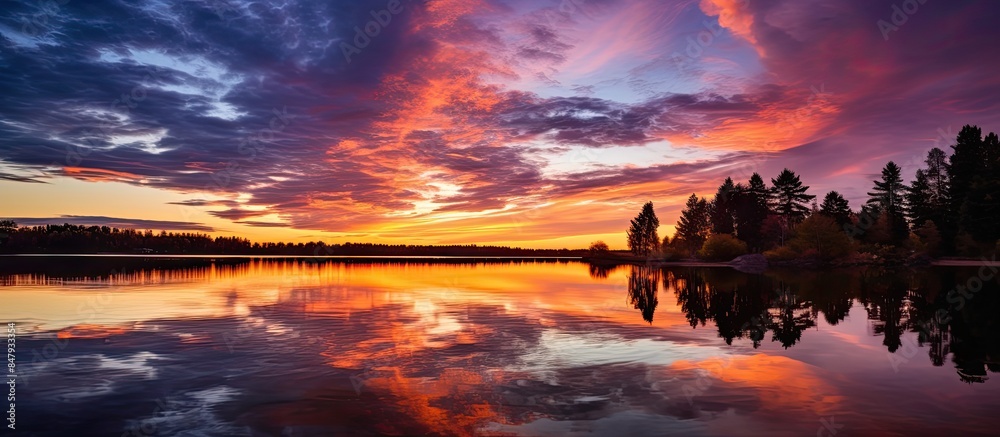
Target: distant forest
952	207
69	238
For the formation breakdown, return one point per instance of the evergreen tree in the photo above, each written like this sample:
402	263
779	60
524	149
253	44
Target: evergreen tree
918	207
887	196
836	207
643	239
694	224
724	208
932	196
980	212
937	178
966	162
759	190
791	199
752	208
888	192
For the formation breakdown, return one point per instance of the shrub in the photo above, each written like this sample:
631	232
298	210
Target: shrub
819	237
929	238
781	253
722	247
671	253
598	248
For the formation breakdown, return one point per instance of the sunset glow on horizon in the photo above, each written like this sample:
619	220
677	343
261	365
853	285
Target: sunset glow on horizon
538	124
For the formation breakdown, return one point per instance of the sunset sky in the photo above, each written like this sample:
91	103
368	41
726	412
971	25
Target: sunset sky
520	122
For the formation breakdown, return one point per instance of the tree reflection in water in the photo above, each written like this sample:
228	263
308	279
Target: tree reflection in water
643	283
898	306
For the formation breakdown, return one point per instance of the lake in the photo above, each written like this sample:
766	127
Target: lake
131	346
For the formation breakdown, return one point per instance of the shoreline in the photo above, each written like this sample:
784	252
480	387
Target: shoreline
620	260
609	260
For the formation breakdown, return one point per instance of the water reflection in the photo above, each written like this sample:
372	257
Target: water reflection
643	282
788	304
295	347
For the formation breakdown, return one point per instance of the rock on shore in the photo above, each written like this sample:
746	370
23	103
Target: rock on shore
752	263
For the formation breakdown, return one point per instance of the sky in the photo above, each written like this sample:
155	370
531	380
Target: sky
529	123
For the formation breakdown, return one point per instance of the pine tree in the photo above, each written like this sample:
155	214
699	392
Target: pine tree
752	208
694	224
917	197
965	163
791	199
836	207
643	239
724	208
759	190
888	192
928	198
980	212
887	196
937	178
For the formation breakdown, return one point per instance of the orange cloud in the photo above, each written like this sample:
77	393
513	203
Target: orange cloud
100	175
733	15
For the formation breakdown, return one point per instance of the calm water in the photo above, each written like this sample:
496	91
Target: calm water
122	347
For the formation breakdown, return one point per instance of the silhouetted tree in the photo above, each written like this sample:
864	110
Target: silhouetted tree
836	207
791	200
887	196
67	238
643	239
752	208
7	227
928	197
979	214
966	162
918	208
598	248
694	224
724	208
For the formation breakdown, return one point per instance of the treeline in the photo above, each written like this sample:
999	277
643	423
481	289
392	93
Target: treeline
69	238
952	207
